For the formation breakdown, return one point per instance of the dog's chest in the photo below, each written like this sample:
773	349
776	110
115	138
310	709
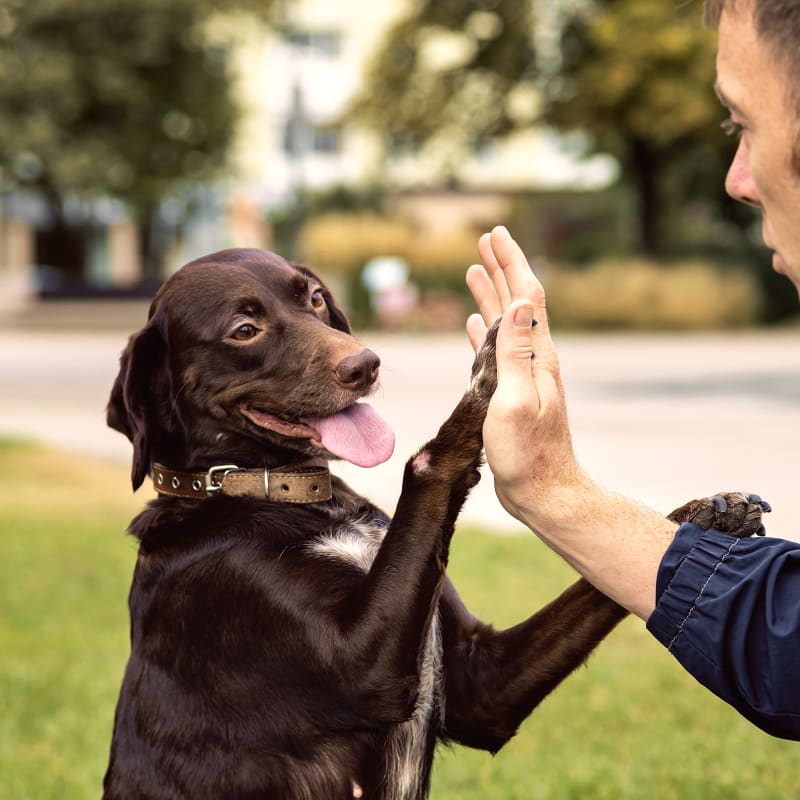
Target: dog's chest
358	543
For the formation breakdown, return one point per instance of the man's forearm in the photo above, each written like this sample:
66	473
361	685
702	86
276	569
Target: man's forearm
616	544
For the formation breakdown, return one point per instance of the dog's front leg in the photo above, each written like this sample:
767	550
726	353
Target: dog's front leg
401	592
494	679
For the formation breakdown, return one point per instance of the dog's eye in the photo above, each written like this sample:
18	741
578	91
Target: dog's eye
244	332
317	299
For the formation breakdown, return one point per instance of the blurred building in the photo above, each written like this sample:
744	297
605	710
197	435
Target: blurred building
297	85
294	84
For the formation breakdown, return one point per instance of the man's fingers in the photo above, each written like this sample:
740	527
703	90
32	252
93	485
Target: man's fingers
476	330
523	284
485	293
494	271
504	280
517	275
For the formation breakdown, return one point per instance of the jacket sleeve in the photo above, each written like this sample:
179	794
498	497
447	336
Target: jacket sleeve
729	610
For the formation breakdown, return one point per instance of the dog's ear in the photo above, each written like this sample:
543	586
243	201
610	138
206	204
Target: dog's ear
130	407
337	316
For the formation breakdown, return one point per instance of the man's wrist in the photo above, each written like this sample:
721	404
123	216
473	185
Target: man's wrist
554	508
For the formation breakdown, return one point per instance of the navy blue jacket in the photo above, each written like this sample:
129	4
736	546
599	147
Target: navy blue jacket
729	610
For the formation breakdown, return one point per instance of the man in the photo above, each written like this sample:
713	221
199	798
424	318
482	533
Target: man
728	609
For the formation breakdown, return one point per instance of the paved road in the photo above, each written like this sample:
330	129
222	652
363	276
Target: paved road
659	417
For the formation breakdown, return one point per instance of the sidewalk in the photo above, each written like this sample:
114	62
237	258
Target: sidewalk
661	418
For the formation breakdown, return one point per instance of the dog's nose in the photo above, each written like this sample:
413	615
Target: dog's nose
358	371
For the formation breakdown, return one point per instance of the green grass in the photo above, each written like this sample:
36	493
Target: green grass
630	725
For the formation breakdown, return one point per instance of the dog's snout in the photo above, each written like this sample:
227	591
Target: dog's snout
358	371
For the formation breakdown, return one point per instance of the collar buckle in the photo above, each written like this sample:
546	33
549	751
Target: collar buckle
213	485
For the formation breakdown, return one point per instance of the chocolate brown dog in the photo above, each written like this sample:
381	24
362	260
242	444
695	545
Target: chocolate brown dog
289	640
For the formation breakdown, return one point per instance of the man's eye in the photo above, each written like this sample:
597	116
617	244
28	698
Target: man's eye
244	332
731	128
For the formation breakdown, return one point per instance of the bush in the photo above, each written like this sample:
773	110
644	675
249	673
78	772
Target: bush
340	244
344	242
610	293
640	294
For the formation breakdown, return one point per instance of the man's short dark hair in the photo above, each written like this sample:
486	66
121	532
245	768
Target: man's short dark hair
778	24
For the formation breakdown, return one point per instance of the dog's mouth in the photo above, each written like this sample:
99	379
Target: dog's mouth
357	433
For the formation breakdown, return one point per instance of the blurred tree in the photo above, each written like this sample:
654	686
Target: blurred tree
456	72
638	75
117	98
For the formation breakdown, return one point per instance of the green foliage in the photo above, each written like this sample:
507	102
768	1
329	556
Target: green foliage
631	726
637	69
449	71
128	99
573	227
288	222
638	76
344	242
646	295
635	76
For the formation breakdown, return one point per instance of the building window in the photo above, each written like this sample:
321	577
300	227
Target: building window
323	43
326	139
301	137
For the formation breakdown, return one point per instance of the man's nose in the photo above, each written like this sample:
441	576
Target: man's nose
739	182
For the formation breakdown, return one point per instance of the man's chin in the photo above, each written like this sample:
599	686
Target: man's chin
780	266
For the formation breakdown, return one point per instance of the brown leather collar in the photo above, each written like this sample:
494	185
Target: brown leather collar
294	484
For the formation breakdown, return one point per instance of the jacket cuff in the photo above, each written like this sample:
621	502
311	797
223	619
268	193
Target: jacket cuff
685	571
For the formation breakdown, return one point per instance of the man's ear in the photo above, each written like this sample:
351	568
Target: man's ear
131	406
337	316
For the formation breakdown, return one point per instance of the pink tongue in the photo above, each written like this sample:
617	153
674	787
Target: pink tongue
356	434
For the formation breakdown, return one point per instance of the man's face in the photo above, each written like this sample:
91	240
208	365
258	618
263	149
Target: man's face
754	86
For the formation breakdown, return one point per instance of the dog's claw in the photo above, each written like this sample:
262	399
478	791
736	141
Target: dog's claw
756	500
736	513
720	505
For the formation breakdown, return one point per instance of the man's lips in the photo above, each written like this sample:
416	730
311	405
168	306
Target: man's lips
777	261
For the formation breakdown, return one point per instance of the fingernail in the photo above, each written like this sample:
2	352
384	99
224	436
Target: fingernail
523	317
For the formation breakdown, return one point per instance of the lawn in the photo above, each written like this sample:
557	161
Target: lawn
630	725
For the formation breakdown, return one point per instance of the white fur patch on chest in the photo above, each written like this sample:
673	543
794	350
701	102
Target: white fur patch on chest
408	741
357	544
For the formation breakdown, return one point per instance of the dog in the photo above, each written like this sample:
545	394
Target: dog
290	641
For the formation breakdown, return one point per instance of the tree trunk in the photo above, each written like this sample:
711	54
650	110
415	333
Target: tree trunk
645	168
60	244
151	245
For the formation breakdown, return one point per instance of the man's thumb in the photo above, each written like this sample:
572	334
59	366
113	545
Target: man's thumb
515	343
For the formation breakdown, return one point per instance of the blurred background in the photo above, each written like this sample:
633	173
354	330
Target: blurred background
375	142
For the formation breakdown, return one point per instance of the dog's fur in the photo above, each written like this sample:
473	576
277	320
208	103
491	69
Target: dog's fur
310	651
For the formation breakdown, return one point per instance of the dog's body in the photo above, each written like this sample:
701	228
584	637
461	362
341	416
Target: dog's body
307	650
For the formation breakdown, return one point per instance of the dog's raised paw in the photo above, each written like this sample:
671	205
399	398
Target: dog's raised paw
735	513
483	381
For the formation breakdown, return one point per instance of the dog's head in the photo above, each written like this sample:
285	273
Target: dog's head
246	358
